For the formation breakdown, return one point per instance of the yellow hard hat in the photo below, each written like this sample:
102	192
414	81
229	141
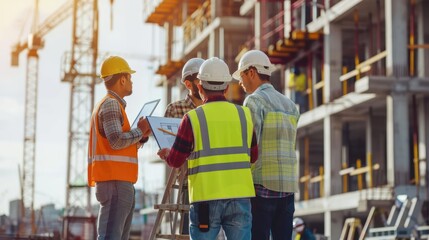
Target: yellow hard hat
113	65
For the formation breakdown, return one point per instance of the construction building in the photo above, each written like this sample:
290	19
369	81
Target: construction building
362	139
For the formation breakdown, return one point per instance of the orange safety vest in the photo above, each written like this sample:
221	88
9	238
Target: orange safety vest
105	163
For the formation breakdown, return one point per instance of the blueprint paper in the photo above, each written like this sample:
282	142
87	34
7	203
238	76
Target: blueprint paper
164	139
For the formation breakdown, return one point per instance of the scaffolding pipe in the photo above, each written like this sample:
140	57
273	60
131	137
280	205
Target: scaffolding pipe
412	37
378	35
310	80
344	82
370	169
322	181
359	177
345	179
371	45
356	21
415	144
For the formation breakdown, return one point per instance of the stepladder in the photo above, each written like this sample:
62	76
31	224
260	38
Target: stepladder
172	217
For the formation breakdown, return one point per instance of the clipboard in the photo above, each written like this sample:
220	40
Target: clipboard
164	130
145	111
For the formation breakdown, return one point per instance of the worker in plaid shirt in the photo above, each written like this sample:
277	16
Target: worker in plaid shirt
275	176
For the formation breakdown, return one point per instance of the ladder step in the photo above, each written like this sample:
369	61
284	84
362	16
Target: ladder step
172	207
168	236
175	186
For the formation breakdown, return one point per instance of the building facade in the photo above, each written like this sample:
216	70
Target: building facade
363	136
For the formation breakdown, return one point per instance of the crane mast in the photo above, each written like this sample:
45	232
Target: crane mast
30	123
80	71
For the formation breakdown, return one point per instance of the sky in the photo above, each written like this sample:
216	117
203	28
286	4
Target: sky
130	37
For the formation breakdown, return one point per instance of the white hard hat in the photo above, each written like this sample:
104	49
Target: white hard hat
192	66
214	70
297	222
257	59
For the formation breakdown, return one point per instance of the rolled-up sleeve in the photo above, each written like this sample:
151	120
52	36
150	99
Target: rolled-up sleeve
111	120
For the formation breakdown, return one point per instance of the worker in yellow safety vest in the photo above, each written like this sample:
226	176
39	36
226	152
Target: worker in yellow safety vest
218	141
112	152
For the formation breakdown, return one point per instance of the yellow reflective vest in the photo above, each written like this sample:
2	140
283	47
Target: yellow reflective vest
105	163
219	166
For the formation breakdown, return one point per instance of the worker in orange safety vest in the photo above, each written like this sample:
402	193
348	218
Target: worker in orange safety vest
112	152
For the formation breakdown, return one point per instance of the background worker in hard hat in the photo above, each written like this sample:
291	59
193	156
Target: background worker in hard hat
112	152
275	176
298	84
192	100
301	231
219	143
179	108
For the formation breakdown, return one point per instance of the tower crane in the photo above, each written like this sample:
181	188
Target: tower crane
34	43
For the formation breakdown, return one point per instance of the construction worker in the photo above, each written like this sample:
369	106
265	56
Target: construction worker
298	84
192	100
218	140
179	108
112	152
275	176
301	231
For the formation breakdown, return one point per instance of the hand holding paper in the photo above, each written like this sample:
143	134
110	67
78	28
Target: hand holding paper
163	153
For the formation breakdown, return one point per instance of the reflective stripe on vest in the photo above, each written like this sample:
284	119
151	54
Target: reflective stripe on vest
218	167
113	158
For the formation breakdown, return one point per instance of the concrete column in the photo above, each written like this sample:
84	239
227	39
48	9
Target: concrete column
333	61
398	152
422	28
221	44
398	139
287	18
332	139
258	23
333	224
213	47
216	8
396	37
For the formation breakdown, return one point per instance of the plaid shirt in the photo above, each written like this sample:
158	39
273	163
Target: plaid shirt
180	108
184	143
110	122
275	119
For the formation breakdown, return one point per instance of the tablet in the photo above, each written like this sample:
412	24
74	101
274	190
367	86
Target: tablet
145	111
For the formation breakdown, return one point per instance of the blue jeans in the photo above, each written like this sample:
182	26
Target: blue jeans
273	215
117	203
234	215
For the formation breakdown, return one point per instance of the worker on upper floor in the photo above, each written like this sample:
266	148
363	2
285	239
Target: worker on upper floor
179	108
275	174
218	140
112	152
298	85
301	231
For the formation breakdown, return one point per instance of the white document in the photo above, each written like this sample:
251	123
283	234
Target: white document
164	130
145	111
